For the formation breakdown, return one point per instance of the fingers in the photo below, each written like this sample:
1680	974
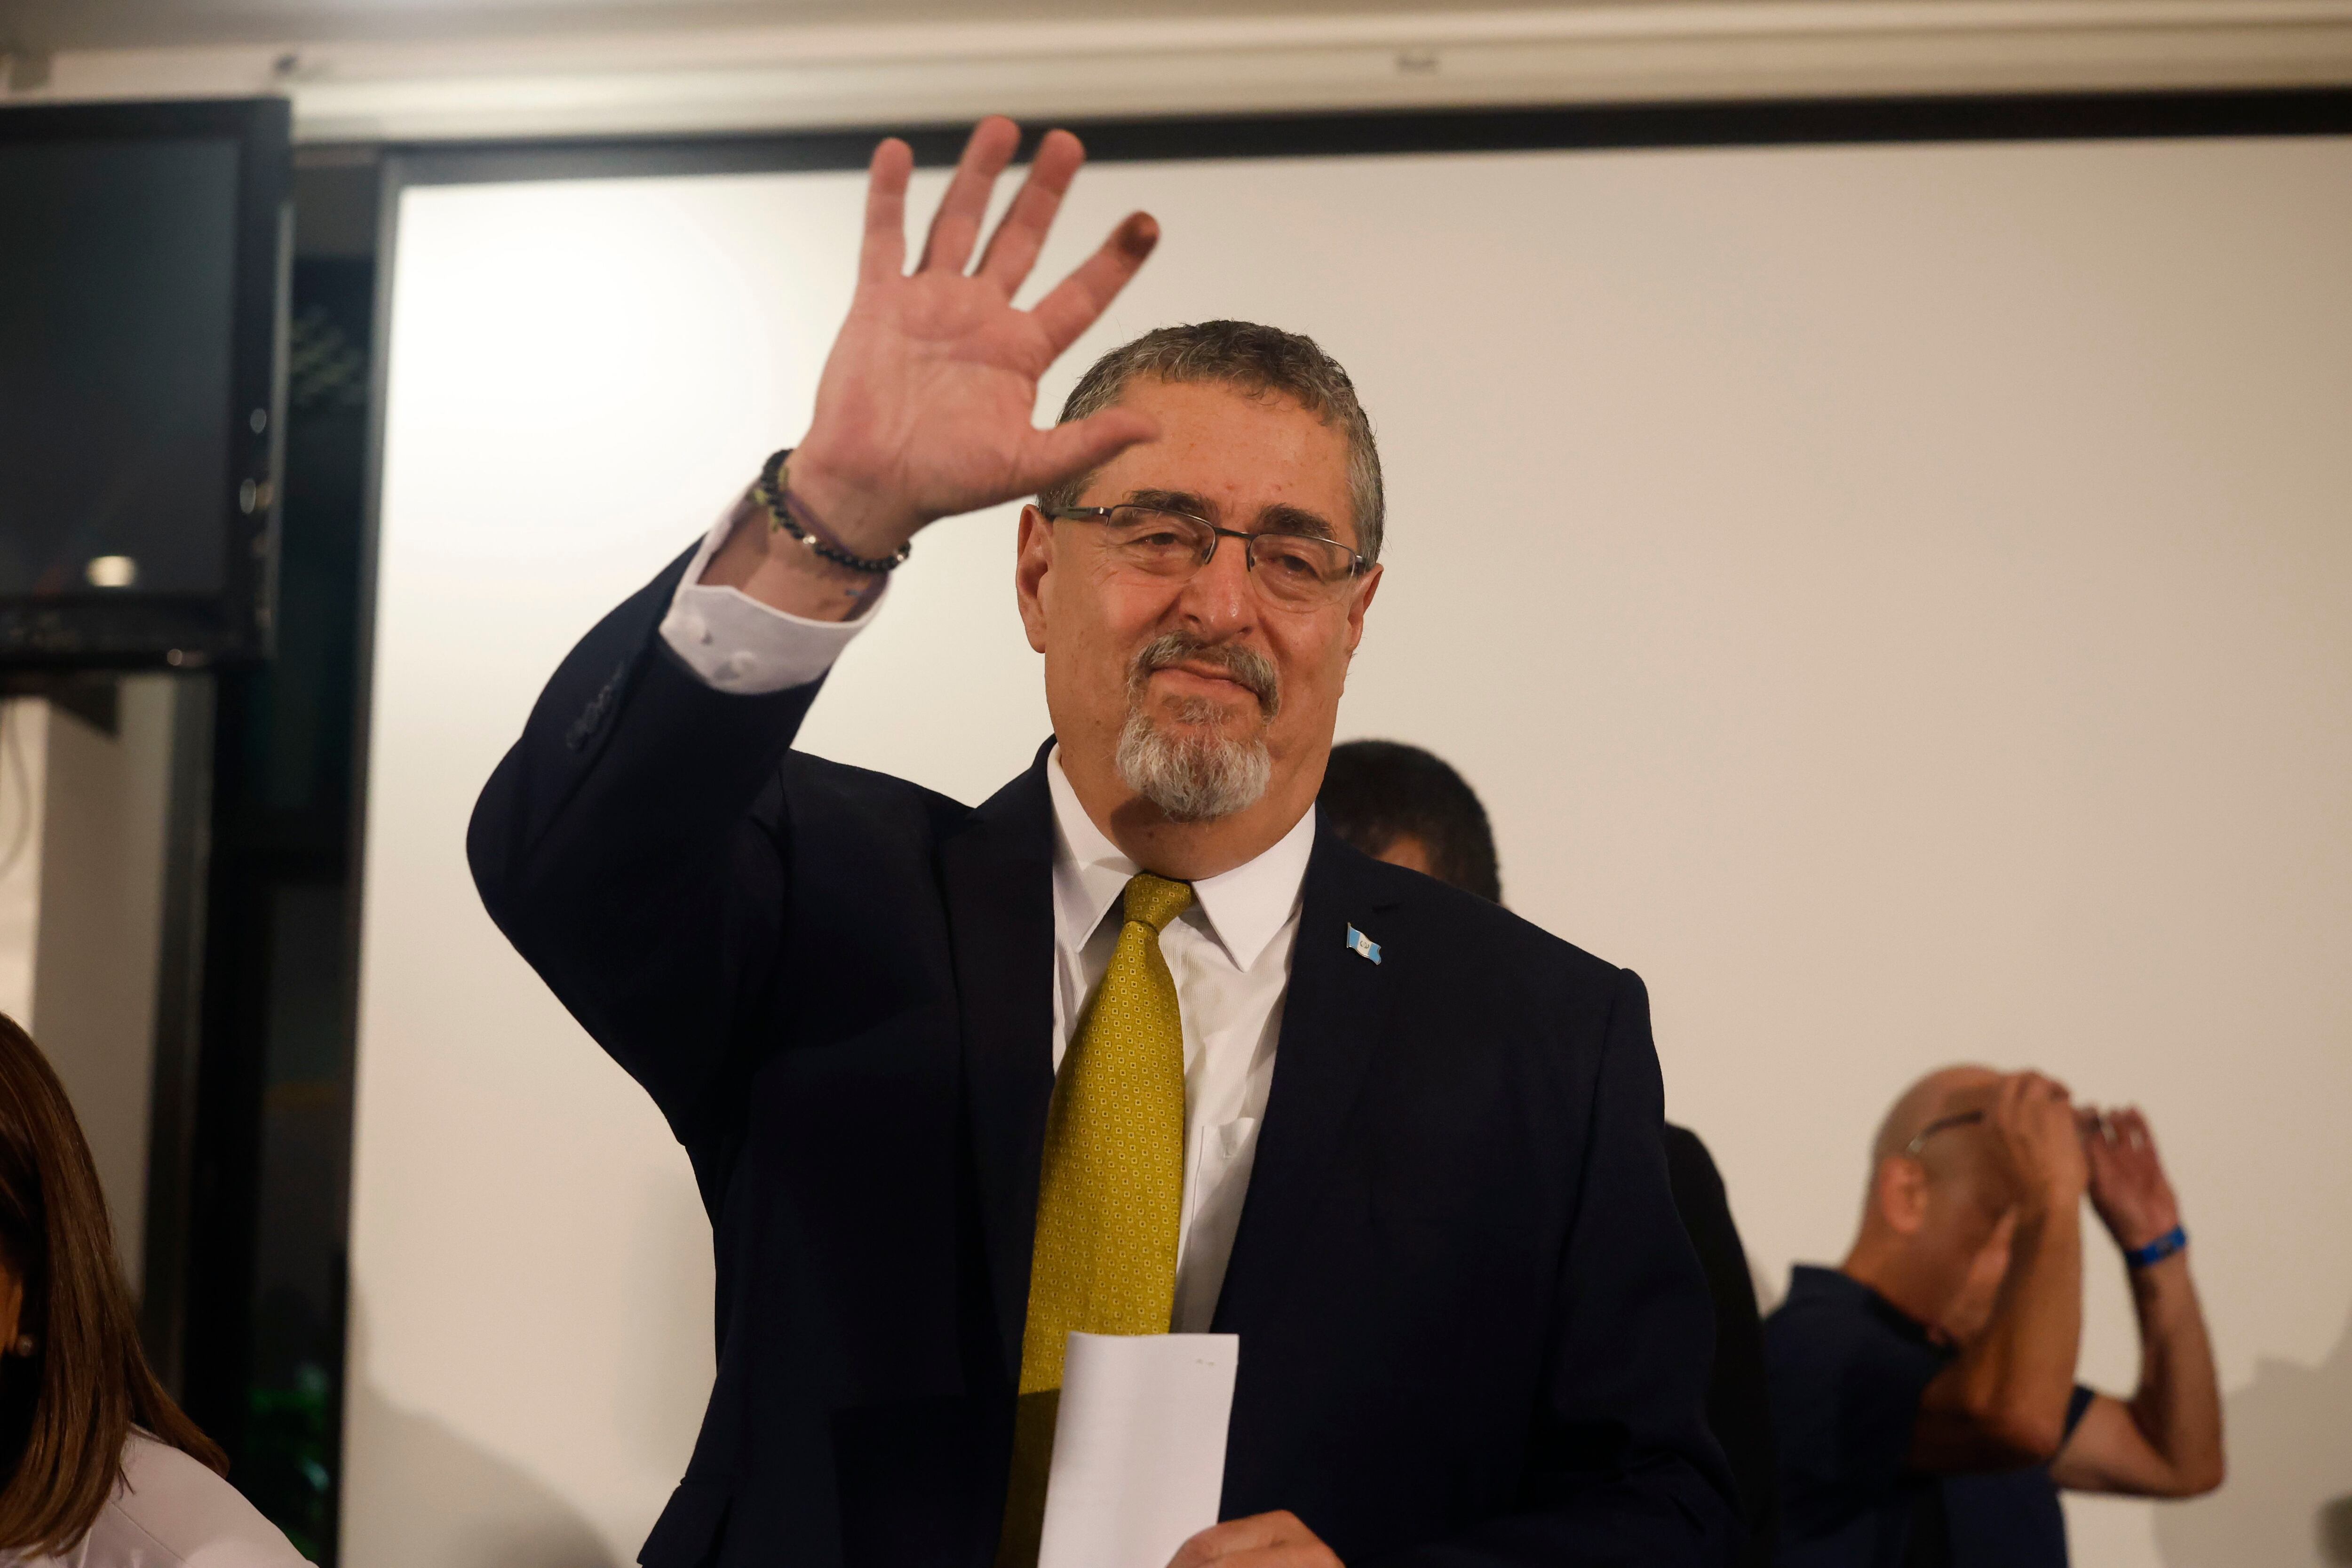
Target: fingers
2047	1150
1066	451
1223	1541
2098	1154
2137	1145
2118	1134
1288	1554
2046	1101
2019	1100
2131	1131
1078	300
1261	1541
884	254
1012	249
2008	1112
955	227
2099	1145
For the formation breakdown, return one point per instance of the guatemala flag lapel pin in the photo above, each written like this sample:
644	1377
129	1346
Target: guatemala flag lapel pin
1362	946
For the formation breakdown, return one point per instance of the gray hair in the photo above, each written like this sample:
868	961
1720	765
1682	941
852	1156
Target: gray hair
1255	359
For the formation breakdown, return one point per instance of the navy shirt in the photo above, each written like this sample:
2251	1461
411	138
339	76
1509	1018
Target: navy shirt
1845	1370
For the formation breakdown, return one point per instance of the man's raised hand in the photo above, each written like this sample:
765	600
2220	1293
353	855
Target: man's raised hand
2127	1186
928	401
2034	1129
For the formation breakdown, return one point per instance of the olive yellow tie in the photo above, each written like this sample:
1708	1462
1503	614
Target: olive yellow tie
1108	1198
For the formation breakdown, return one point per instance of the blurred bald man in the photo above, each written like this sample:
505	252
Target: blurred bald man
1923	1394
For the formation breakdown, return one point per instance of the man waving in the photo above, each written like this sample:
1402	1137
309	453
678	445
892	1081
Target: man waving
1132	1046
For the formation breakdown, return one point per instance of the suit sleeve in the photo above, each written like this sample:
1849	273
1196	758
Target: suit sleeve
1622	1470
631	846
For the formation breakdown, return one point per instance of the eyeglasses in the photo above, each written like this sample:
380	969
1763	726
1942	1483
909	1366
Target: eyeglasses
1302	571
1943	1123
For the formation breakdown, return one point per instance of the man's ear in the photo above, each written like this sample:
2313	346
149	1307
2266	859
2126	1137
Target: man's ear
1899	1191
1033	560
1358	605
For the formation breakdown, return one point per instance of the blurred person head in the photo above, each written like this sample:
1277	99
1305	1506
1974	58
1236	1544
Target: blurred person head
1206	689
73	1379
1939	1208
1404	805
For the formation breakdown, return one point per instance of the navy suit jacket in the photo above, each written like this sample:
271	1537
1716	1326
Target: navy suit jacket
1472	1330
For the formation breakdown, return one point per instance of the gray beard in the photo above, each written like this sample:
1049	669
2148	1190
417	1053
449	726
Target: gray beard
1193	777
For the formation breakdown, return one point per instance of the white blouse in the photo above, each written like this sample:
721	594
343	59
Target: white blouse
171	1513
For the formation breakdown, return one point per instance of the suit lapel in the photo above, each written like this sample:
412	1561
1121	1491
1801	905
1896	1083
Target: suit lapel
998	876
1330	1026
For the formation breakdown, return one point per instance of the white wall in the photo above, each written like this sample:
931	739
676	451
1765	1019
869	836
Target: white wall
24	764
1899	599
82	824
101	866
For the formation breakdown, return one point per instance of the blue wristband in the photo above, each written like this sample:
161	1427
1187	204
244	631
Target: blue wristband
2156	1251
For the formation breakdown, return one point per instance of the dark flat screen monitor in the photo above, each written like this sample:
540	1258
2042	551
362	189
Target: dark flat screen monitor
143	265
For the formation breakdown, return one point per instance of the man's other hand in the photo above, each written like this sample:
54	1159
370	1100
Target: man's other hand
2127	1183
1262	1540
2034	1128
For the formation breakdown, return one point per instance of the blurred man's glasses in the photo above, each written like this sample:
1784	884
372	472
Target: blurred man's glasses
1302	571
1942	1124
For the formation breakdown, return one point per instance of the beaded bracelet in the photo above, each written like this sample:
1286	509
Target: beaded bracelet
2156	1251
787	513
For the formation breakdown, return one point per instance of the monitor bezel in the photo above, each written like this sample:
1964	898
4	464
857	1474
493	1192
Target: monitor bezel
124	628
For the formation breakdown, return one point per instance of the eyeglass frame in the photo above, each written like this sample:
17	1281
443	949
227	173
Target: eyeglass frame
1942	1124
1357	564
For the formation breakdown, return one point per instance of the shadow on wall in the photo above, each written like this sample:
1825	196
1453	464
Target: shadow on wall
2288	1500
454	1504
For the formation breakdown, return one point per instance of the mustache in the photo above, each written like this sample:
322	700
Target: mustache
1251	669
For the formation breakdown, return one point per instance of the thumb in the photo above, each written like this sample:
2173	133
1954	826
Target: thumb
1066	451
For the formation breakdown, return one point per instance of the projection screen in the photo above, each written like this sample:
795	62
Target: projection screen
1897	598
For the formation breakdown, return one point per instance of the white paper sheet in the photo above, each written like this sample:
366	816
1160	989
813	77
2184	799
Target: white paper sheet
1138	1447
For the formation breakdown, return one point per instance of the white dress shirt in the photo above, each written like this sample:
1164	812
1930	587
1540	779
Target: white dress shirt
171	1511
1230	953
737	644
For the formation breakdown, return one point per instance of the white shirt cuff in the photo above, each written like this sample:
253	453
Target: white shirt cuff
737	644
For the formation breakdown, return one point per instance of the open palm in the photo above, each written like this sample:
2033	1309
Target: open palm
926	404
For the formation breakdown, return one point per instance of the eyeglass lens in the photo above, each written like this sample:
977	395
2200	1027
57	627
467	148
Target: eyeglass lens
1291	568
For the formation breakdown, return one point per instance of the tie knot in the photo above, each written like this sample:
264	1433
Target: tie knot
1156	900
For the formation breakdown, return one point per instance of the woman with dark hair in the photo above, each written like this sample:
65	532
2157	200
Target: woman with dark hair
97	1468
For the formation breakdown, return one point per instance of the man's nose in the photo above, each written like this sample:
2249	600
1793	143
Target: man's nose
1219	597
